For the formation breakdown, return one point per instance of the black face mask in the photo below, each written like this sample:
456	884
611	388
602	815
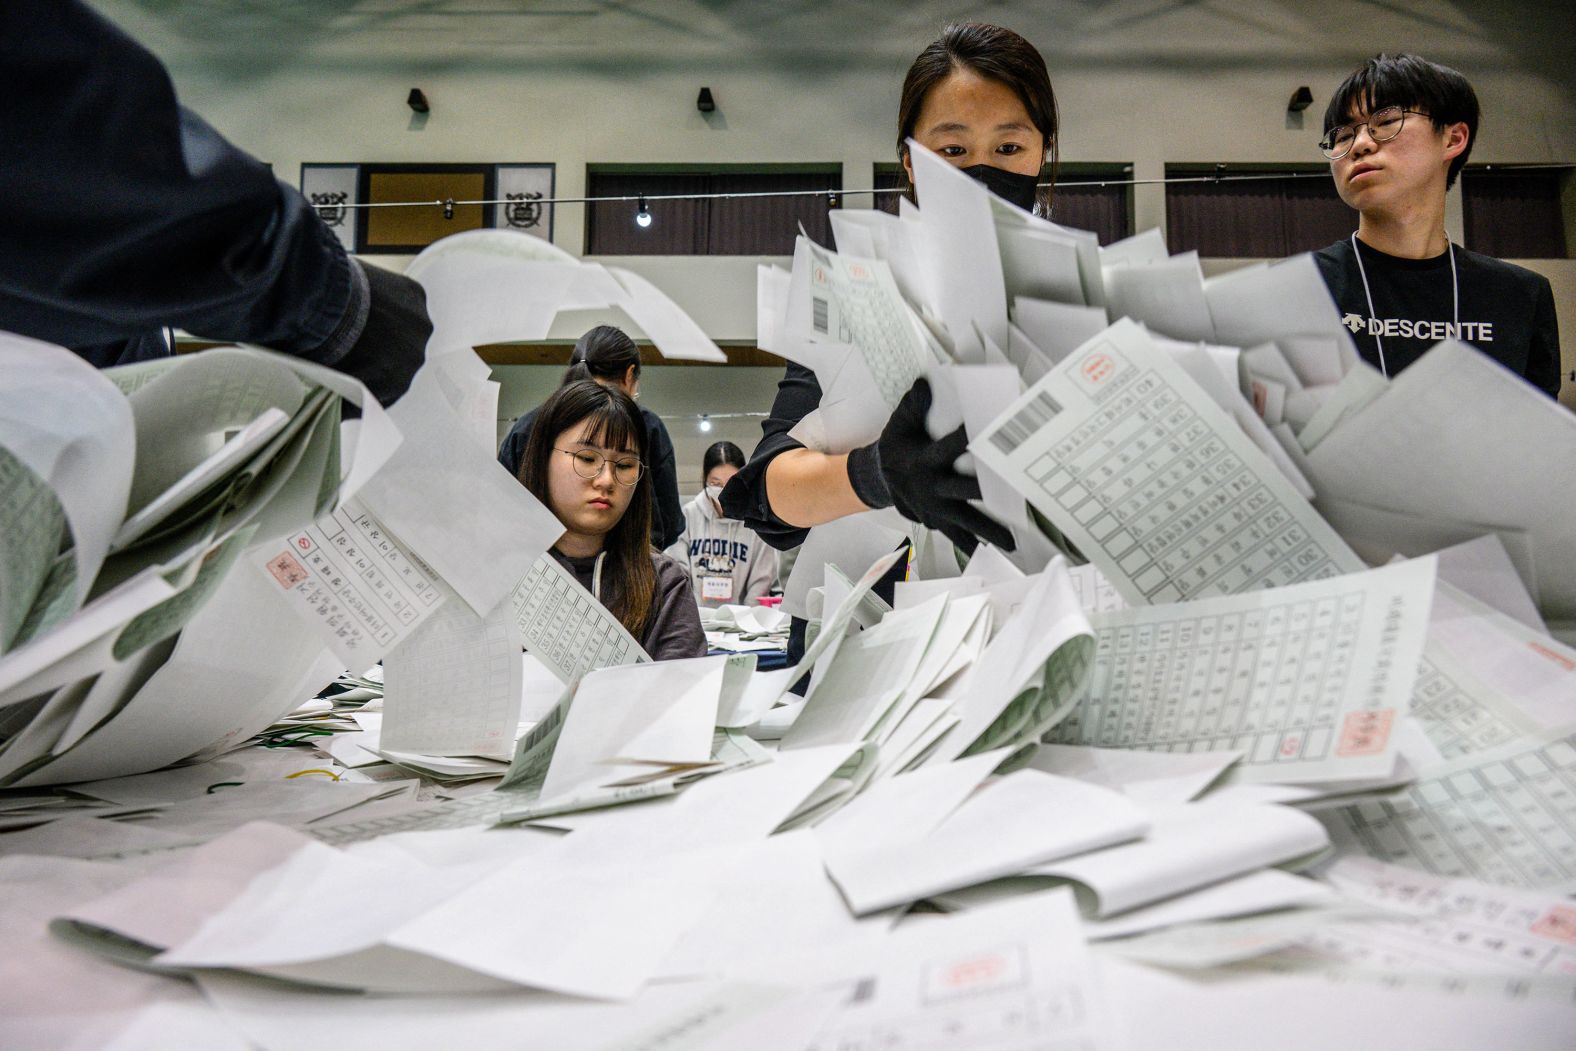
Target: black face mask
1021	190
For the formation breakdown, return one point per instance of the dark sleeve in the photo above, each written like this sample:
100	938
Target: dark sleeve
1543	355
674	631
744	498
667	519
513	447
126	212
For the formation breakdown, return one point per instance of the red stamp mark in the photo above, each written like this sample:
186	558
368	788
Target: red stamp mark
1366	733
287	570
1558	658
1098	367
1559	924
1290	746
857	271
304	543
969	974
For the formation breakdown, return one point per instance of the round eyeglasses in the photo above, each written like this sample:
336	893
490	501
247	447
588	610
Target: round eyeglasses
1382	127
588	465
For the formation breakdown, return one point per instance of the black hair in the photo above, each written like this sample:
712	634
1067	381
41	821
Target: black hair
994	53
719	453
605	353
631	579
1413	83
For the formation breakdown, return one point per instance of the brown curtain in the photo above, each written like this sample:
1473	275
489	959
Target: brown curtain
715	226
768	225
1514	215
677	227
1255	218
1102	209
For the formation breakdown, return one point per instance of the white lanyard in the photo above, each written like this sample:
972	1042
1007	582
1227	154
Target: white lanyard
1455	296
596	576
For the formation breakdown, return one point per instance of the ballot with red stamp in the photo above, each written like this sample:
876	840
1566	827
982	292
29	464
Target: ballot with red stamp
1366	732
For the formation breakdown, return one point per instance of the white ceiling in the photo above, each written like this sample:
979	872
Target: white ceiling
824	35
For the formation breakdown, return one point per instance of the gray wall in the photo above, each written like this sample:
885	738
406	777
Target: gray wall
1146	82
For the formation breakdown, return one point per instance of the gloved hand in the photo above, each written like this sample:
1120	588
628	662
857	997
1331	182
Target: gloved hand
393	343
907	469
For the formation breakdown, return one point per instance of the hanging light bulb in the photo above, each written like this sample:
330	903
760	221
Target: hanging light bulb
705	423
642	216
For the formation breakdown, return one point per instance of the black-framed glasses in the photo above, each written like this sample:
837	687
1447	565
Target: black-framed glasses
588	465
1382	126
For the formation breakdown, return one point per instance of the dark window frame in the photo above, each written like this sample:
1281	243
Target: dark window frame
366	170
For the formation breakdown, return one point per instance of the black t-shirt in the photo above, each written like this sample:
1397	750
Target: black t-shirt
1507	311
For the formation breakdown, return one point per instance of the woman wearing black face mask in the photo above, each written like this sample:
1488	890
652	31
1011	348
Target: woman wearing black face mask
980	97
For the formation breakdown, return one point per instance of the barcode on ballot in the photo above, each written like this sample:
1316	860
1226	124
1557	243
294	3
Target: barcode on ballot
1025	422
821	318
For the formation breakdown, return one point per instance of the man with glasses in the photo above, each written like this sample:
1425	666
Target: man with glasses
1397	133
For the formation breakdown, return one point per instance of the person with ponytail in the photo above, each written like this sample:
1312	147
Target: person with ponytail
727	562
585	460
980	97
608	356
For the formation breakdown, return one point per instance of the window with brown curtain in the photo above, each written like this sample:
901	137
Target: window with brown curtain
1255	213
714	226
1515	214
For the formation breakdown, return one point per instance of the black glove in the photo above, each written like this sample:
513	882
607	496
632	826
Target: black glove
393	343
905	468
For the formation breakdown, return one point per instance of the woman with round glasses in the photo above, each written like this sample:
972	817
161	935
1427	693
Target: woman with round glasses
584	461
1397	134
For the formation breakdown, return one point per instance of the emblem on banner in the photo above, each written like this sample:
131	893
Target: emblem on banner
523	211
330	207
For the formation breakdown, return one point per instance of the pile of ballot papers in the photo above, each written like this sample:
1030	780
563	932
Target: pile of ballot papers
1264	734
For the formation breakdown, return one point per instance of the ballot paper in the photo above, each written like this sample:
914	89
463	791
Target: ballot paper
1057	329
1263	891
1029	676
65	427
1144	473
1247	1007
1458	926
504	527
839	299
1187	848
961	254
493	286
453	687
1459	713
1168	297
1506	817
566	628
243	684
1309	681
663	321
350	576
1535	671
655	715
1095	592
1014	977
1457	415
1023	819
866	678
1156	780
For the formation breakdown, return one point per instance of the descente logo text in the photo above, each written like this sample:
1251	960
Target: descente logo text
1405	328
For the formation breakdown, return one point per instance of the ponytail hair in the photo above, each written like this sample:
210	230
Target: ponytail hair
604	354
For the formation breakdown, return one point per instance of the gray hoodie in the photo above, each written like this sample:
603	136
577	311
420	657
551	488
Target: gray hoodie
727	563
